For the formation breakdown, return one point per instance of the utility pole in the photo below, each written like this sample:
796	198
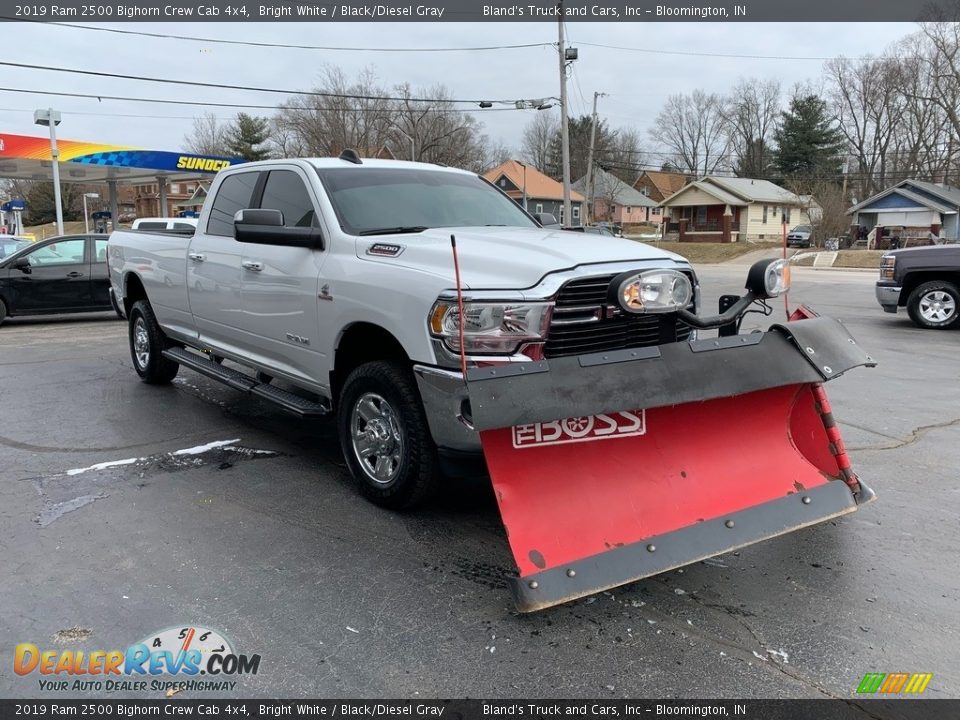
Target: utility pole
564	120
593	135
846	166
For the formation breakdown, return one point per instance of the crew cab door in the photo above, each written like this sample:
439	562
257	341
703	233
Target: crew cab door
213	267
280	283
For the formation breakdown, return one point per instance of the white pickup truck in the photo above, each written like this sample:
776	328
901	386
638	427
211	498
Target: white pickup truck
618	444
337	277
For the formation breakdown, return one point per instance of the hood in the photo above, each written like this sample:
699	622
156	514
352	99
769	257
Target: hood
509	257
928	252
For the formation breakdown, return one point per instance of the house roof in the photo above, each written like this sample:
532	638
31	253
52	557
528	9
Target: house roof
949	195
720	194
754	190
666	182
538	185
609	187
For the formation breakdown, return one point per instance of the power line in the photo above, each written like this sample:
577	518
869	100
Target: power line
248	88
254	43
693	53
246	106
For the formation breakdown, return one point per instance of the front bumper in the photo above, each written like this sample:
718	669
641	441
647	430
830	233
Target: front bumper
889	297
446	403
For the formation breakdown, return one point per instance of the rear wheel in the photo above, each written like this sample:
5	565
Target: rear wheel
384	435
147	343
935	305
3	312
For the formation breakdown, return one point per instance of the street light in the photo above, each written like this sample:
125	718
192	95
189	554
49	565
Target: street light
86	220
413	146
51	118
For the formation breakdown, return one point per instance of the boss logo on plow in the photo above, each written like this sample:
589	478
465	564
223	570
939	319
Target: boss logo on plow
581	429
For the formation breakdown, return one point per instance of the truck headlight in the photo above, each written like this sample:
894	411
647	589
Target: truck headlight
490	327
654	291
887	265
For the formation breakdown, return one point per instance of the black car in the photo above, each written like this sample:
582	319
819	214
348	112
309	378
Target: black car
59	275
926	281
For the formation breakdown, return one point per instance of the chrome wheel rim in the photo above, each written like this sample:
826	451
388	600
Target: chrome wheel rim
141	343
937	306
376	438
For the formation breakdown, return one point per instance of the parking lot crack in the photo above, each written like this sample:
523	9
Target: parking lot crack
915	435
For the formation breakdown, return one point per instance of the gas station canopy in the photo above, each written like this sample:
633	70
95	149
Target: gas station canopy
29	158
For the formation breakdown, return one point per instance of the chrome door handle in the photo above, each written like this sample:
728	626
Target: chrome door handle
251	265
197	257
74	274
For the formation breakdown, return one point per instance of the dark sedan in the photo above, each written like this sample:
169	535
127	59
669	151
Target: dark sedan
60	275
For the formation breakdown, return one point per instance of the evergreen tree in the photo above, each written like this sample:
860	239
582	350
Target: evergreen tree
808	145
247	136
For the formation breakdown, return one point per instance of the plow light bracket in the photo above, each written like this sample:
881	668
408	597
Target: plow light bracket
766	279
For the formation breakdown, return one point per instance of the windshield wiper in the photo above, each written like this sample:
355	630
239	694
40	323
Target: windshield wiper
394	230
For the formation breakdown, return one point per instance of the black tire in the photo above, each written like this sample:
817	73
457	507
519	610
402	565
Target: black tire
147	343
3	311
397	428
935	305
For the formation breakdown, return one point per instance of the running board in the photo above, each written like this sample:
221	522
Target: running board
291	402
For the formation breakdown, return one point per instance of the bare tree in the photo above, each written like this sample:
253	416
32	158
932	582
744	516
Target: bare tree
325	125
750	113
537	139
692	128
435	130
624	154
209	136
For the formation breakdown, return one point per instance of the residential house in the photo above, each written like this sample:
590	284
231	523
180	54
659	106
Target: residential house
910	209
194	203
658	185
147	197
722	209
617	202
537	192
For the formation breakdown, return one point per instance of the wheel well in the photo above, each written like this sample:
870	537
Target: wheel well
913	280
359	344
133	292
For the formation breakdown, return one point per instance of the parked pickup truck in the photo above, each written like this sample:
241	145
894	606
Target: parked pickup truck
440	323
925	280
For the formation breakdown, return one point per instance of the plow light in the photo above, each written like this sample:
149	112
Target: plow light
490	328
769	278
655	291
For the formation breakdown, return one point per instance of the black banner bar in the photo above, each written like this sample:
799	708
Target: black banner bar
851	709
637	11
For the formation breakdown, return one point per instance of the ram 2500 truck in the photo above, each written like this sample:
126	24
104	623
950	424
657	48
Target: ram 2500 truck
437	322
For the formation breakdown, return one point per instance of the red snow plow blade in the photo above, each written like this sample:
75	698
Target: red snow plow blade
628	485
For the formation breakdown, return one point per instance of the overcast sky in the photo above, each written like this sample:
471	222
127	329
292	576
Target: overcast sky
637	82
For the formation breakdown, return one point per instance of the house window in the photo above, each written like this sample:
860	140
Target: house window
646	191
576	212
628	208
539	207
764	214
190	189
656	211
702	214
788	215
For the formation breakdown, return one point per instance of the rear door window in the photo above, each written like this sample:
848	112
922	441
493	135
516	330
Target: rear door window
235	193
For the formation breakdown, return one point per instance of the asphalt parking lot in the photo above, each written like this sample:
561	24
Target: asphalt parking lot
263	538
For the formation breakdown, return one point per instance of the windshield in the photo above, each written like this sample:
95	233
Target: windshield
801	228
368	200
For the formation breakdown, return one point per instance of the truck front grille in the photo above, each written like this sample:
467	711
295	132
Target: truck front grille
585	322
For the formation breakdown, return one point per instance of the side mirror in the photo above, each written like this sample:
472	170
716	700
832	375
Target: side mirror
22	264
546	219
265	227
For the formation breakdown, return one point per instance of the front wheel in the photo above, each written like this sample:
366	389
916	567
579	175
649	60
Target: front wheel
385	438
935	305
147	343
